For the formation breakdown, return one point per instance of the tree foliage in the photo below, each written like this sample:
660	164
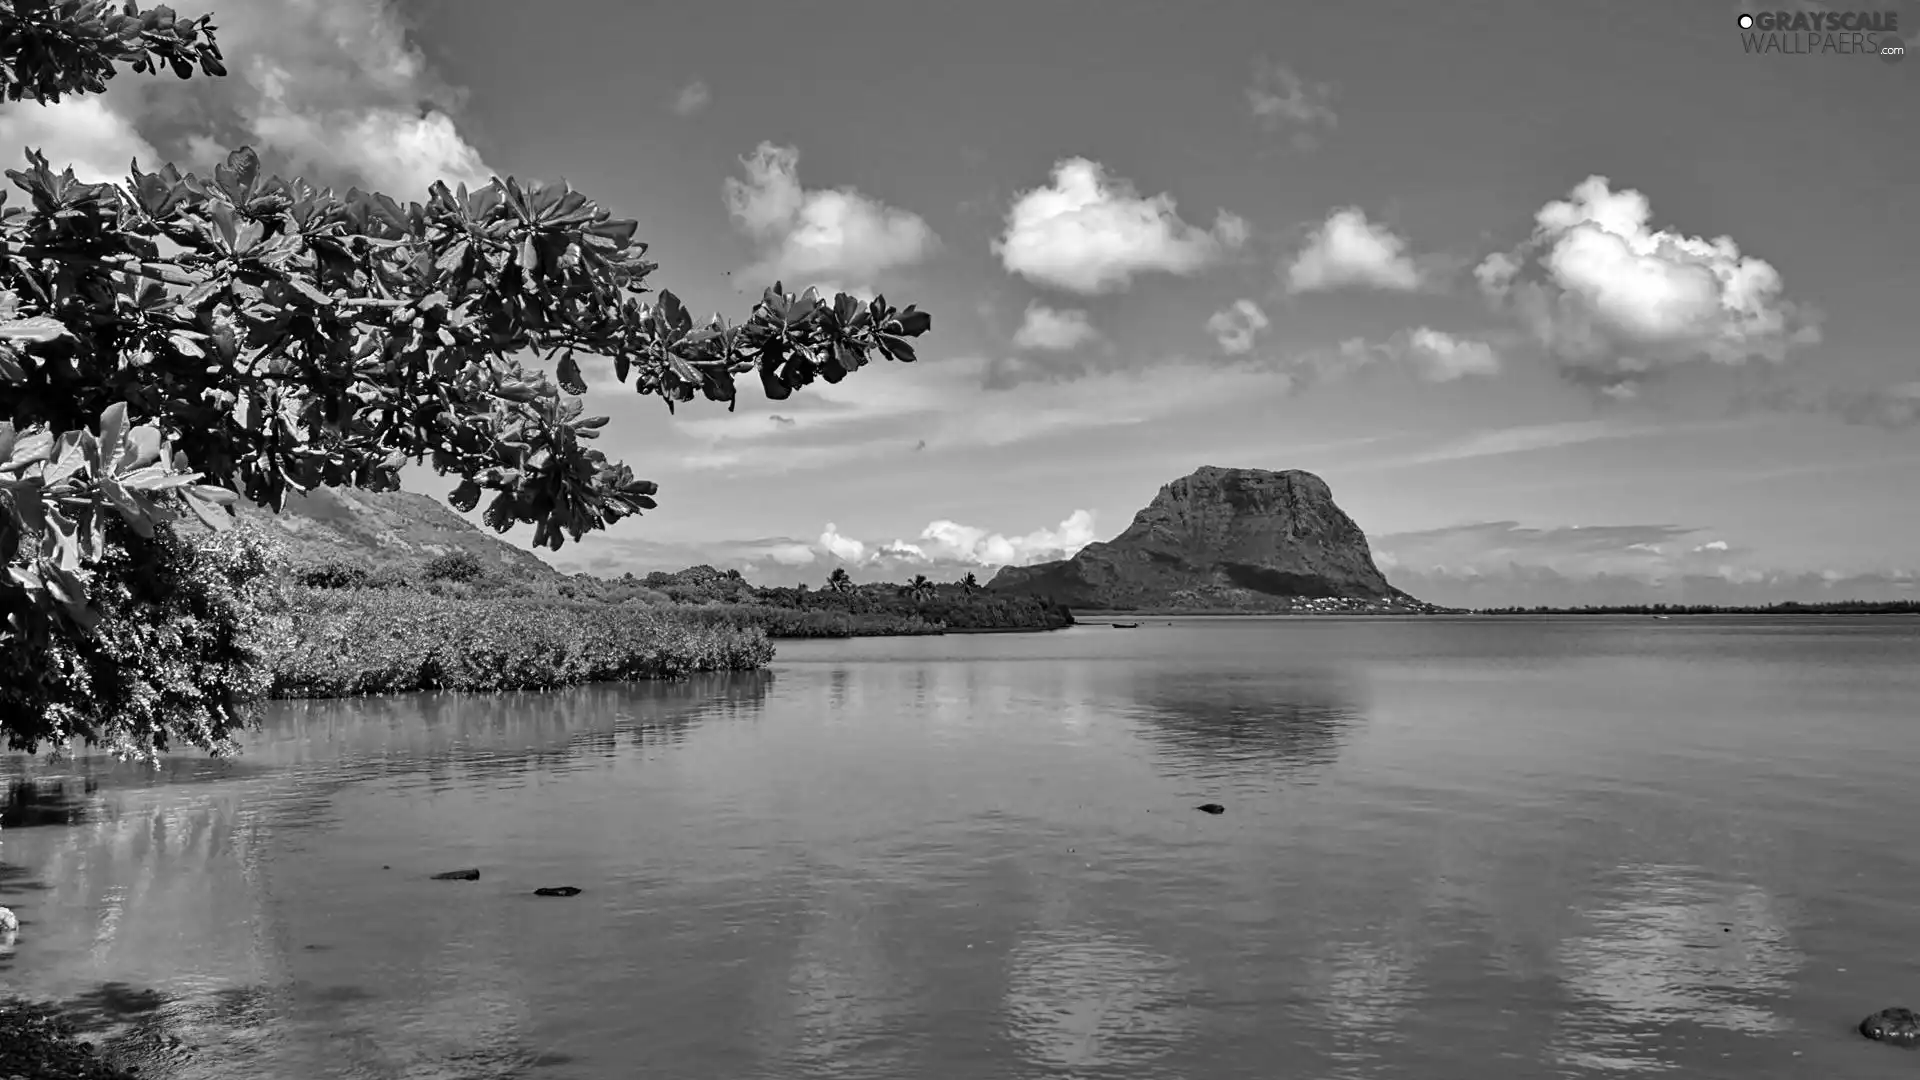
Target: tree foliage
177	341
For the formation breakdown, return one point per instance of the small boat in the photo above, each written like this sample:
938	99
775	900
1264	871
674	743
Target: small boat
1126	626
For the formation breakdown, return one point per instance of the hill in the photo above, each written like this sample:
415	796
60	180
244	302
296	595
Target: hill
1224	539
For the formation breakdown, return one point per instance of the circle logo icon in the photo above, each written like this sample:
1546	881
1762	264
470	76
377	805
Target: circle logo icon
1746	22
1892	49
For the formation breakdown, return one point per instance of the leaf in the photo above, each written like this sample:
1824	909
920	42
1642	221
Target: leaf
914	323
222	216
568	374
156	478
29	449
682	370
896	347
38	328
215	517
113	430
307	289
465	497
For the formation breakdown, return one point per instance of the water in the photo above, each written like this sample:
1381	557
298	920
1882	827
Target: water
1467	848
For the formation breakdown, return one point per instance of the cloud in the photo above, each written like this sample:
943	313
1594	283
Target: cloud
1617	302
1279	97
951	544
1089	233
332	89
1496	442
78	131
1894	408
1442	357
1499	563
1348	251
838	237
1502	563
692	98
1433	356
1054	331
965	403
1235	326
944	550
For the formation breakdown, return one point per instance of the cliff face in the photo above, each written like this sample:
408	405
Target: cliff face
1223	539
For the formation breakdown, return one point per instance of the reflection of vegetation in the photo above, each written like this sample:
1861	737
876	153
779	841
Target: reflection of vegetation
27	803
1299	719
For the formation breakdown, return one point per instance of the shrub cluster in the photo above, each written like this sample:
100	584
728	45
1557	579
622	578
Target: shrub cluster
347	642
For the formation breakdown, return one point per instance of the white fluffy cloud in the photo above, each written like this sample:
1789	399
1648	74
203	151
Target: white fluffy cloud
1236	326
1616	300
692	98
1442	357
1047	329
1087	232
951	543
838	237
333	89
1348	251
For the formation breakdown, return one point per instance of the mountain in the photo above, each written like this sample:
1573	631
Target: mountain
1224	540
383	527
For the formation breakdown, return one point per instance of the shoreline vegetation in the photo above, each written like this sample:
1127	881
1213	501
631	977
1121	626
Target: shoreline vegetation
345	628
1788	607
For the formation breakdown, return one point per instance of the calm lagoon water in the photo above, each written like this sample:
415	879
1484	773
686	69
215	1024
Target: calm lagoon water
1472	848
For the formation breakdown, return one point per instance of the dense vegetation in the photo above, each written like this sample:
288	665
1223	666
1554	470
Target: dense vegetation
1788	607
179	342
343	627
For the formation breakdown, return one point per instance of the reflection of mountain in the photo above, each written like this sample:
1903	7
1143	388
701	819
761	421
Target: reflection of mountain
1673	946
1296	719
1077	999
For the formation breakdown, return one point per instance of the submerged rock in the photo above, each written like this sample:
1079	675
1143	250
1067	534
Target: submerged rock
1211	808
1896	1025
458	875
557	890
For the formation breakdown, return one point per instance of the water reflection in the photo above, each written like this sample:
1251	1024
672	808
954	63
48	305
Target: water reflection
1673	946
849	1001
1296	719
1079	998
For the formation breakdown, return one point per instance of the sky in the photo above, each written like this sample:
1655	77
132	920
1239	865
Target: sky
1567	303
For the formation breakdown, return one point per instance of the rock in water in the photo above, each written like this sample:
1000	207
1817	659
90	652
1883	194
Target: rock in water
1211	808
1896	1025
557	890
1223	539
9	922
458	875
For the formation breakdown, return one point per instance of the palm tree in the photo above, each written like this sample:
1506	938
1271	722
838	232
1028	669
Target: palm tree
920	588
969	584
838	581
